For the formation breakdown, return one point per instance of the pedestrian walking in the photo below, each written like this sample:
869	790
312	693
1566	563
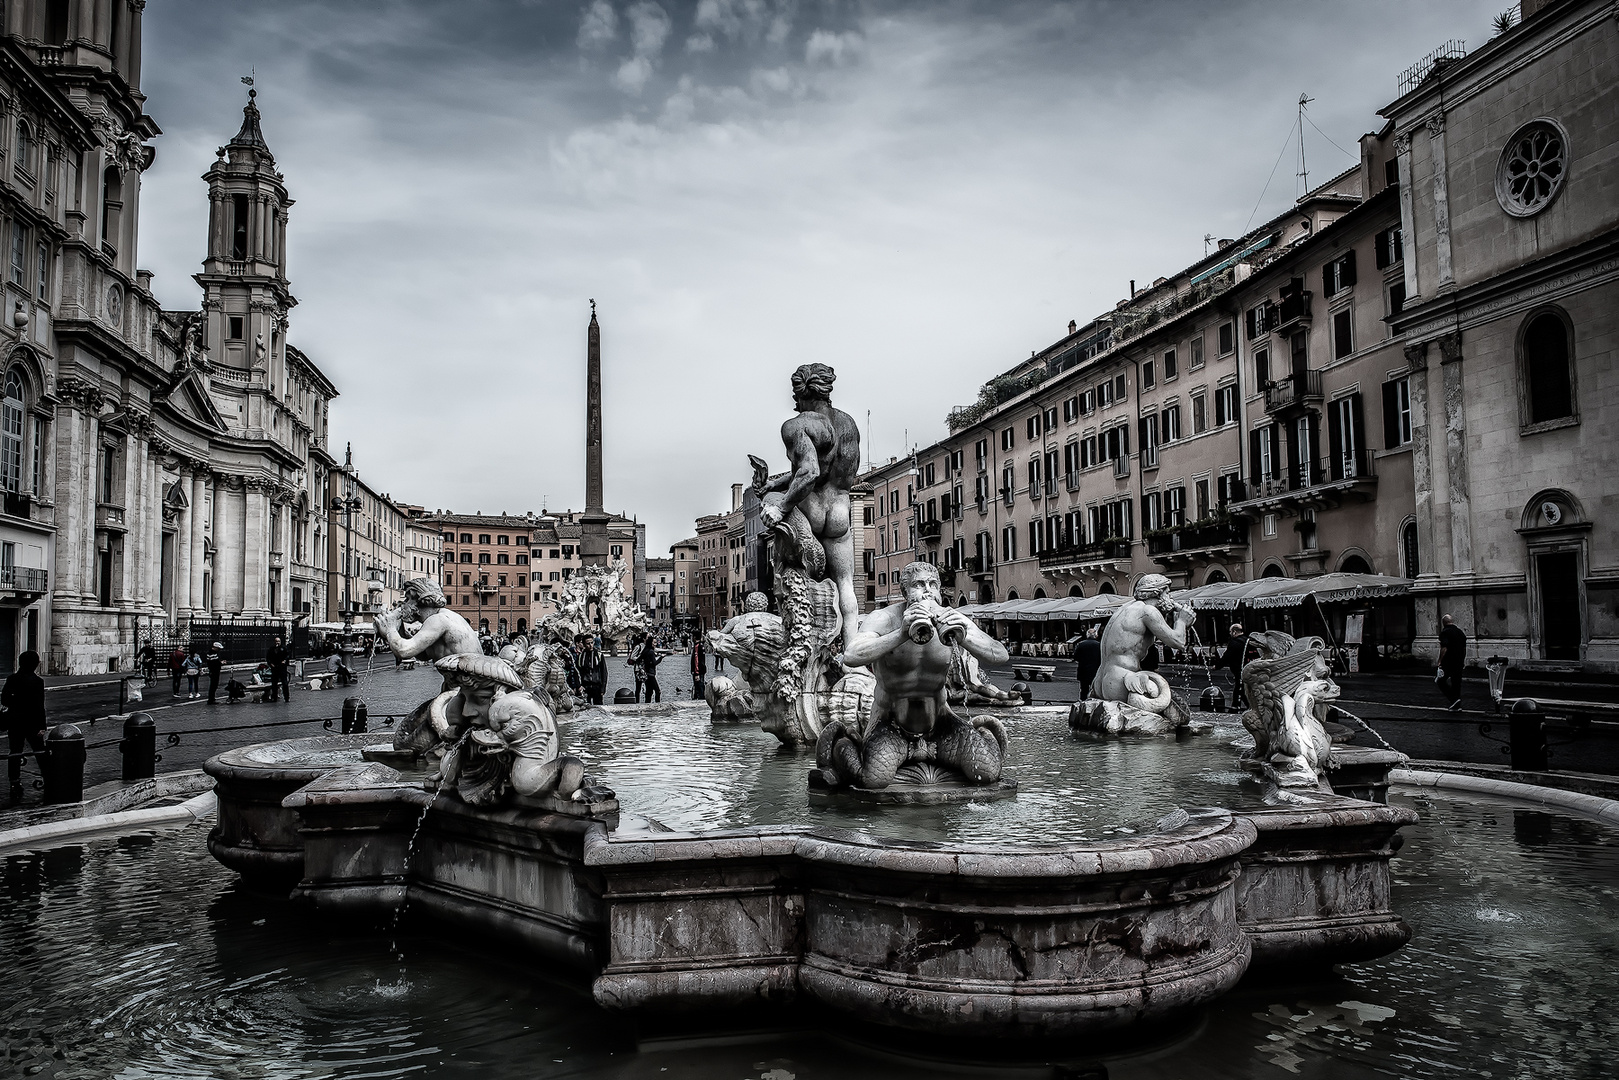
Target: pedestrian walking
214	661
1233	658
1452	657
147	659
592	669
649	667
279	658
177	667
699	668
24	699
638	645
1088	658
193	672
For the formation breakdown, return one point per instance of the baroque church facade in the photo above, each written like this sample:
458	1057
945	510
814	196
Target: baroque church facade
159	468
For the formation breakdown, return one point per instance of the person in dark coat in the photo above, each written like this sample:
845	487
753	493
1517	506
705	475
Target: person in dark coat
649	668
1452	657
24	701
177	667
1088	656
638	645
278	658
699	668
214	659
1233	658
592	669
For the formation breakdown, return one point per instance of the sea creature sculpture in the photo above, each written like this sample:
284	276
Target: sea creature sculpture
1291	698
1127	700
726	700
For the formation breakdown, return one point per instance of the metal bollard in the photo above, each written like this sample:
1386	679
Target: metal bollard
354	716
624	696
1213	700
63	765
139	747
1021	689
1526	735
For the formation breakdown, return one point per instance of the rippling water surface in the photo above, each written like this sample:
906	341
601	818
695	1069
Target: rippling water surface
143	957
693	776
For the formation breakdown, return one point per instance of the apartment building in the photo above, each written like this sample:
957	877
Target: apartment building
683	585
487	573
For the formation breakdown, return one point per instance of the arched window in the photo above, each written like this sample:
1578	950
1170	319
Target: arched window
25	146
1039	593
1548	371
1075	590
1216	577
1273	570
112	205
1408	549
1012	594
1105	589
1354	564
11	433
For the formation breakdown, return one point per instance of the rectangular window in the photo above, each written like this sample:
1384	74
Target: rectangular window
1261	369
1201	488
19	255
1338	275
1051	419
235	332
1390	247
1175	506
238	229
1033	427
1228	338
43	254
1035	530
981	454
928	473
1396	298
1087	402
1346	438
1104	394
1171	369
1118	387
1147	379
1070	410
1149	440
1008	438
1170	427
1009	484
1200	413
1008	543
1152	511
1396	413
1343	342
1225	405
1197	352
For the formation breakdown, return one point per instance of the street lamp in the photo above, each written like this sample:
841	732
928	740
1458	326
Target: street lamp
347	505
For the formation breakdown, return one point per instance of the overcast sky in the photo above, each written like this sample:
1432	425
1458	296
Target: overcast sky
917	194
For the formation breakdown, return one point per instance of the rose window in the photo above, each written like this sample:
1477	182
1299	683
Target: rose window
1532	168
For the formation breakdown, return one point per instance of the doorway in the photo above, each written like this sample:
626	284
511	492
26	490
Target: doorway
1559	574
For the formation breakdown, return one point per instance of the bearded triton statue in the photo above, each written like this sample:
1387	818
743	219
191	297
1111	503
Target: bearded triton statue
912	735
440	631
1128	700
1291	697
491	740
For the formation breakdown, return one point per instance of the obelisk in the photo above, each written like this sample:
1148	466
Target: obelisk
593	525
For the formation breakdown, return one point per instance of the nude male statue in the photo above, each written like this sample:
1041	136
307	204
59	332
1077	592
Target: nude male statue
1129	634
443	632
823	445
909	651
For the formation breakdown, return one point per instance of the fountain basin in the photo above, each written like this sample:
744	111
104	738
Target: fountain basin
1051	938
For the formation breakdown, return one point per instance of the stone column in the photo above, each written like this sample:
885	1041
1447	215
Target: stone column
1461	512
199	519
255	549
1408	218
182	547
1441	202
1416	358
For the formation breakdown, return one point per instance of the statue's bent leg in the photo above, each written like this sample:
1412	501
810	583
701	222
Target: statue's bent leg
884	754
840	571
975	753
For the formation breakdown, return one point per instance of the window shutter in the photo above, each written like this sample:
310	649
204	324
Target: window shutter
1391	414
1349	268
1357	420
1274	434
1382	249
1124	441
1253	323
1313	432
1253	457
1118	387
1144	441
1326	281
1335	441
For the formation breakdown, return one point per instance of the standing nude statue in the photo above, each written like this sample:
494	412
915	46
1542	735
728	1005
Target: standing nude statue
443	632
1125	699
910	649
823	446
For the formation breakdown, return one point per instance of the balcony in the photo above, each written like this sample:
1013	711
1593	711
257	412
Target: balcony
1350	476
1293	394
24	580
17	505
929	531
979	566
109	516
947	577
1294	310
1082	558
1197	541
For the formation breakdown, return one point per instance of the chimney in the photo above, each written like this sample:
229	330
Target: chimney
1072	326
736	496
1132	288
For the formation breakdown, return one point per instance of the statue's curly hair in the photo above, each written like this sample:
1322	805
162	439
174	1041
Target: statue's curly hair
814	380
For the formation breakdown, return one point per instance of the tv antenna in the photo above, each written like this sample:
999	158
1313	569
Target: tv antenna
1304	170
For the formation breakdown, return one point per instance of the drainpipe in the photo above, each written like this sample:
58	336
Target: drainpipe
1242	420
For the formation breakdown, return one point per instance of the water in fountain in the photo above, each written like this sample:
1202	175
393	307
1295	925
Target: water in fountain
410	849
1198	651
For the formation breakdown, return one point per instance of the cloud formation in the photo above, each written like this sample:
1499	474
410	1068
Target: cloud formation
916	193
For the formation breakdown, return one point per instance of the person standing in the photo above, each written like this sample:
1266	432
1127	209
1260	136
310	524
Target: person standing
24	701
649	666
214	660
193	672
177	667
1233	658
699	668
278	658
1088	658
638	646
1452	657
592	670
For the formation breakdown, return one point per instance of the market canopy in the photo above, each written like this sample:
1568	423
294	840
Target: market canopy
1280	592
1048	609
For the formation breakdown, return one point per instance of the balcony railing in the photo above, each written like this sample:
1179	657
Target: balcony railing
1352	465
1295	306
1051	488
928	530
1294	392
1112	547
1352	471
1196	536
17	504
980	565
25	579
1071	481
947	577
1121	466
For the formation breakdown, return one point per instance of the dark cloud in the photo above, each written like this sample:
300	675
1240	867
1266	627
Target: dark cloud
918	194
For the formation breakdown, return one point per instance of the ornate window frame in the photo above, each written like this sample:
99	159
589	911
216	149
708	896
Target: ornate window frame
1511	203
1526	424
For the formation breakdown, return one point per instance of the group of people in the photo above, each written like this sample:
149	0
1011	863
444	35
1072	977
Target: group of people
275	671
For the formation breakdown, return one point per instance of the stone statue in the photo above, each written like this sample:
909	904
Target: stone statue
726	700
593	601
1290	698
491	740
541	666
912	735
754	641
966	684
1127	700
443	632
823	448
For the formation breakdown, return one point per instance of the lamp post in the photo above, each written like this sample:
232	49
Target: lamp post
347	505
